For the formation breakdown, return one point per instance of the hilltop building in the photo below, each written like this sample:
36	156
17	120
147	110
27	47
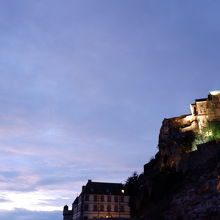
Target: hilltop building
183	133
99	200
207	109
202	111
182	181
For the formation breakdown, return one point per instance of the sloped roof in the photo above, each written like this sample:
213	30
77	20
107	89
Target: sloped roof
201	100
76	200
103	188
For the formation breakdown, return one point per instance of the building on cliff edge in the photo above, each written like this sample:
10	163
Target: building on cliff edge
207	109
203	110
99	200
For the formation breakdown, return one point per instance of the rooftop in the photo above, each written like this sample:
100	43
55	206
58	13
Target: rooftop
103	188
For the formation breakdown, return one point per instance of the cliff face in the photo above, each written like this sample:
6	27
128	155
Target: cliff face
175	139
183	180
199	194
179	183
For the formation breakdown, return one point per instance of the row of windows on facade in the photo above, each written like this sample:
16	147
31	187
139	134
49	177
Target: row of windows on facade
95	217
102	208
102	198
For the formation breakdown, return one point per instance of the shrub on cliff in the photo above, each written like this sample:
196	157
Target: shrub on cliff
165	183
131	185
209	133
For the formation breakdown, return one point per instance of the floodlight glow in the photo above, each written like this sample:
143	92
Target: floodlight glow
216	92
208	133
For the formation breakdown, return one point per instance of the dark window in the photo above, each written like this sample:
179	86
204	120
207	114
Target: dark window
95	198
95	208
86	197
102	198
109	208
122	198
122	209
109	198
116	198
102	208
194	111
116	208
86	207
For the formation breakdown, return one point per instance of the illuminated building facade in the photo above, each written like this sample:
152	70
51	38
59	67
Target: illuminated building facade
203	111
207	109
100	200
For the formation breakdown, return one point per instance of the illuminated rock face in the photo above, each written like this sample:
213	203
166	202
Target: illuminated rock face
177	134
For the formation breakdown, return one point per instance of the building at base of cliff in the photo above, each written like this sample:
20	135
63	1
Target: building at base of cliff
99	200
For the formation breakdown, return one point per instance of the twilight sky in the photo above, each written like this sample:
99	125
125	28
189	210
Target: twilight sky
84	87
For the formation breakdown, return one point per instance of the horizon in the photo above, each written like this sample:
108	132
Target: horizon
85	86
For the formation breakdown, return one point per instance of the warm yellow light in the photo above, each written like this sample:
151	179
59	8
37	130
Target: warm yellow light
208	133
122	191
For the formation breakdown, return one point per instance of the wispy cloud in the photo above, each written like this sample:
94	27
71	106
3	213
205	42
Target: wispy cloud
84	88
23	214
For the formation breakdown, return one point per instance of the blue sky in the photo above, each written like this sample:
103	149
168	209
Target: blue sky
85	86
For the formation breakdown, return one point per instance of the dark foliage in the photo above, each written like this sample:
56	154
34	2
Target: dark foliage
165	183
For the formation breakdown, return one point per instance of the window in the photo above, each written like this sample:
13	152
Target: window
109	198
109	208
102	208
102	198
86	207
86	197
95	198
116	208
116	198
95	208
122	198
122	209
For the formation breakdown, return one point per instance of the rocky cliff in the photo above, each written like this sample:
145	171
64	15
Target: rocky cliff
198	197
180	182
